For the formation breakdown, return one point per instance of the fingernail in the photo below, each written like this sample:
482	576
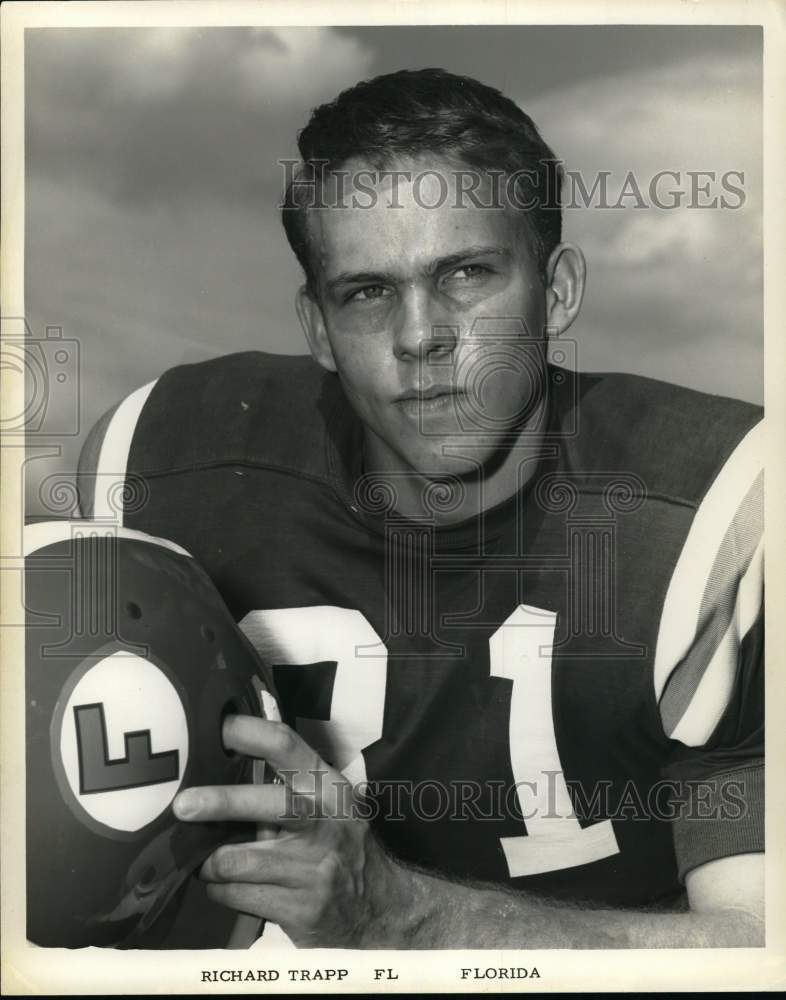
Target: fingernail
187	804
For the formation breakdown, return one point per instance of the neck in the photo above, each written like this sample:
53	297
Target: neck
474	486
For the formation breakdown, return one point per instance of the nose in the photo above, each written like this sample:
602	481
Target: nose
423	331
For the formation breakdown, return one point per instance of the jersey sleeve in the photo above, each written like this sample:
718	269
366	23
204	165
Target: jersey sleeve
709	669
88	464
102	476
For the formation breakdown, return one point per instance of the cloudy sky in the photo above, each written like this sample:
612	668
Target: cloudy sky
152	232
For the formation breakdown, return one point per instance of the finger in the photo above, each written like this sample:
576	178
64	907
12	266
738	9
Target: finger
270	902
294	760
246	804
278	744
266	863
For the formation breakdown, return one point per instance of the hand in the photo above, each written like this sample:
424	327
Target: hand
324	879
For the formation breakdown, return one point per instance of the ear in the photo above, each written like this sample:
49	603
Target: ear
310	315
566	274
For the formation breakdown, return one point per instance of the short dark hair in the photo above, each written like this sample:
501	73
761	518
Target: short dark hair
411	112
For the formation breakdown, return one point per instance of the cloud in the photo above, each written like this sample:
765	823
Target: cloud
301	66
673	293
152	115
284	67
152	234
644	239
704	104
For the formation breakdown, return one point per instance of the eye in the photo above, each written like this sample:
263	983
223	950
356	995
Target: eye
367	293
469	271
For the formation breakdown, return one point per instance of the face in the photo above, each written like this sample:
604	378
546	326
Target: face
433	316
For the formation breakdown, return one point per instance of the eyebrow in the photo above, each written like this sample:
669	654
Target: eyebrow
439	264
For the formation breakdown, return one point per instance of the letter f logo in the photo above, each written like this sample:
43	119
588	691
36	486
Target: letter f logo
139	766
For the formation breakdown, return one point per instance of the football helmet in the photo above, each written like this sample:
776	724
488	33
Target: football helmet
132	663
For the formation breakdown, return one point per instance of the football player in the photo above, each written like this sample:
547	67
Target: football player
514	612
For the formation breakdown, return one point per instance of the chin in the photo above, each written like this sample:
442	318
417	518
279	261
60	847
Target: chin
436	464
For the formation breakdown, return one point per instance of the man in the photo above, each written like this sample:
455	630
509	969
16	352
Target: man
514	613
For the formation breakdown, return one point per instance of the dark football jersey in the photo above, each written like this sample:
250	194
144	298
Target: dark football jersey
562	695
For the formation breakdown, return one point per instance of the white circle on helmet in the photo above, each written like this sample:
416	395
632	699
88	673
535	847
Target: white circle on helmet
124	741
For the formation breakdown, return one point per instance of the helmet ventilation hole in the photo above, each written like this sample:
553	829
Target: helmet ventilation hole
207	633
133	610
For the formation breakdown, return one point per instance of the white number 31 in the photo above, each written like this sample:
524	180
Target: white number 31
519	650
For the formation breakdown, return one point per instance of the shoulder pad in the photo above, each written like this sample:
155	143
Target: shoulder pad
250	408
676	440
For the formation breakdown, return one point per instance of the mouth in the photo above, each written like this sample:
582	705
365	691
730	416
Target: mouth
434	399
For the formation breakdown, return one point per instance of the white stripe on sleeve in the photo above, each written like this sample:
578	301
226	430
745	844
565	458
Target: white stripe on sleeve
681	609
711	696
113	457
